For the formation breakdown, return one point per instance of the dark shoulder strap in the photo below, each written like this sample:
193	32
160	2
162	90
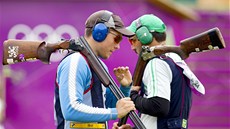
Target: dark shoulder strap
91	85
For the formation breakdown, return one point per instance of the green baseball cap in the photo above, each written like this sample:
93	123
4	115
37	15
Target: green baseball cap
152	22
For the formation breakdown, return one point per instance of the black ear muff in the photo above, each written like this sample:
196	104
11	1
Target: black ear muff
100	30
143	34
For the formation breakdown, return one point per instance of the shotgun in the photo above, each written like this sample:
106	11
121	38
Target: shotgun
42	51
209	40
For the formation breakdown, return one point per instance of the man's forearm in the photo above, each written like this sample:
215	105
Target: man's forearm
154	106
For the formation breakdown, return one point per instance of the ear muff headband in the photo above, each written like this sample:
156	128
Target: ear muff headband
143	34
101	29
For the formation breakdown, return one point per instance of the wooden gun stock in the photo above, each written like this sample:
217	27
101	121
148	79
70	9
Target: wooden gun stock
206	41
16	51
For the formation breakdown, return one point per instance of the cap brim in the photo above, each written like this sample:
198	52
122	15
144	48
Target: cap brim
125	32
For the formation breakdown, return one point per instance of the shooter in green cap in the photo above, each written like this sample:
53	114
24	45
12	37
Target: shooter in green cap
164	98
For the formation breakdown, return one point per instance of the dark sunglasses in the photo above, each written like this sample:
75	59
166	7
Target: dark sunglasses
117	38
131	40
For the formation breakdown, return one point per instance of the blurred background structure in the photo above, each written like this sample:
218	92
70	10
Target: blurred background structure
27	89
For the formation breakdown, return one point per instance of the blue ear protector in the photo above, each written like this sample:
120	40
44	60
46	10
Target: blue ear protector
143	34
100	30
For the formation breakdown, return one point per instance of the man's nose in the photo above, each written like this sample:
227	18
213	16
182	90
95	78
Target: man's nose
117	46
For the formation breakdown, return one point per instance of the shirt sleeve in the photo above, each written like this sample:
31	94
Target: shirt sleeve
154	106
157	78
74	77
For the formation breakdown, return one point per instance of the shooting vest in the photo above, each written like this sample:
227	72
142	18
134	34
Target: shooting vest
181	99
96	95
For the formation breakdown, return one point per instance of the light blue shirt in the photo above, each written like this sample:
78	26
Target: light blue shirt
74	78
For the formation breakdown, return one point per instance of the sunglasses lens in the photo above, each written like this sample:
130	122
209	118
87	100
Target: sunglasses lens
118	39
131	41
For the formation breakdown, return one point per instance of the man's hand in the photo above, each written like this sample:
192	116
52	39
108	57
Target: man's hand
126	126
124	106
123	75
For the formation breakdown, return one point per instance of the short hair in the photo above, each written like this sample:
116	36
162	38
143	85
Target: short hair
88	32
159	36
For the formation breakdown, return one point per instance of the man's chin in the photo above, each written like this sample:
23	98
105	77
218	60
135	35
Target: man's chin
105	57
